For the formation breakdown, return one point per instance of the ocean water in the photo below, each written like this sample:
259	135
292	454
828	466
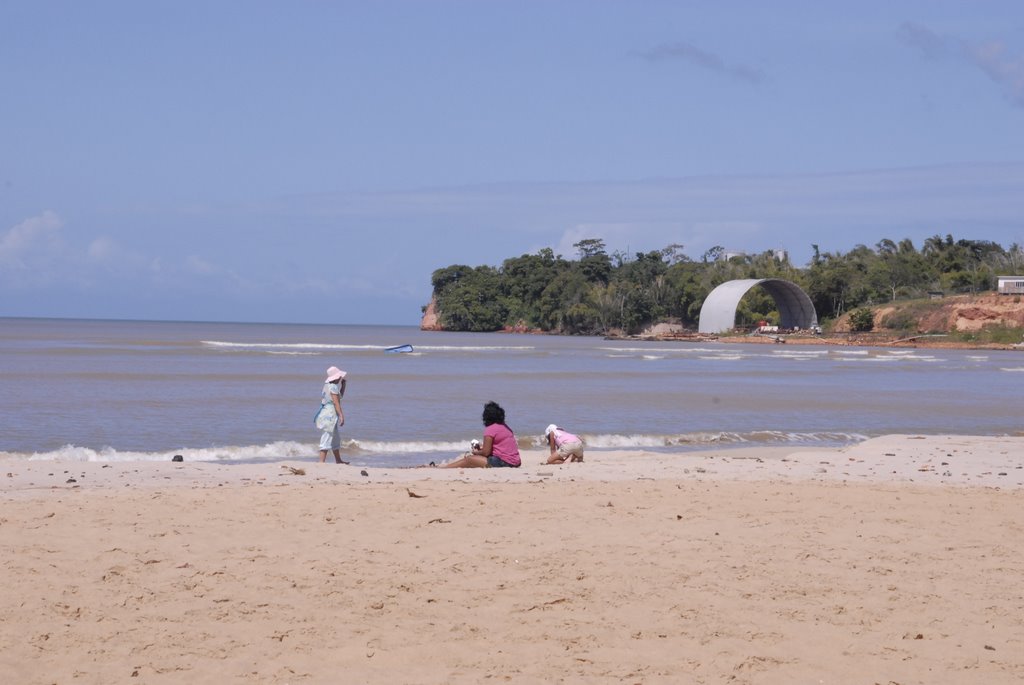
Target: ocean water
142	390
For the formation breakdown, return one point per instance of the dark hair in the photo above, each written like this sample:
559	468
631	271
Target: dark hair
493	413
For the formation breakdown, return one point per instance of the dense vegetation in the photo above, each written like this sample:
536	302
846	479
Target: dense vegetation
597	292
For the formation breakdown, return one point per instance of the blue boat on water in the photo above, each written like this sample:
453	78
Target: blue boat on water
399	348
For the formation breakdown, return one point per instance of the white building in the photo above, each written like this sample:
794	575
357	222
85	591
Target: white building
1011	285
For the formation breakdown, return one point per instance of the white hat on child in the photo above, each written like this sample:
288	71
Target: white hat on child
550	429
335	374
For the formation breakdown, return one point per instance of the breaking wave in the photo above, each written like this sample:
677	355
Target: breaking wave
382	452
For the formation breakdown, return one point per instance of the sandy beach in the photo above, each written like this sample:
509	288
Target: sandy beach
898	560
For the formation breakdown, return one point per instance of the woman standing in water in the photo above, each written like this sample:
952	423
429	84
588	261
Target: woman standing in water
331	418
499	447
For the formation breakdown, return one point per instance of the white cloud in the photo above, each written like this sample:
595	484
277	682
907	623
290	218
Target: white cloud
993	58
33	253
39	233
108	254
199	266
1004	69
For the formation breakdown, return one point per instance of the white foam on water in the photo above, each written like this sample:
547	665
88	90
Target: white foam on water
407	447
660	350
361	450
477	348
906	357
799	353
286	346
611	441
311	348
275	450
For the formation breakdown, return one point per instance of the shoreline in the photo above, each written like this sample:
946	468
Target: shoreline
950	460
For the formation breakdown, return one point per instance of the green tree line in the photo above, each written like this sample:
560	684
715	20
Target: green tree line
599	292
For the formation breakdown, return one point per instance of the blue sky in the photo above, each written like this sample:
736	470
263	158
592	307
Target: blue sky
316	161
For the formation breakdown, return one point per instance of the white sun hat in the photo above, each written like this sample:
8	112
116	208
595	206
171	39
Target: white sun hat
335	374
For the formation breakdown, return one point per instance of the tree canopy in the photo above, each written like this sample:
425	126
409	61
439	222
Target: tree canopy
596	292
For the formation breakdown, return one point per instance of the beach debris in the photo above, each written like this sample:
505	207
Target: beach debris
413	494
71	480
545	605
990	648
363	473
294	471
177	457
438	521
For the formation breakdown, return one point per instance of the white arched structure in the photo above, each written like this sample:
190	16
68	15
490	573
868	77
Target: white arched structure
718	313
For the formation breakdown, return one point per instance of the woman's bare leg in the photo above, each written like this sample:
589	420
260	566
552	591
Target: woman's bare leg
466	461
